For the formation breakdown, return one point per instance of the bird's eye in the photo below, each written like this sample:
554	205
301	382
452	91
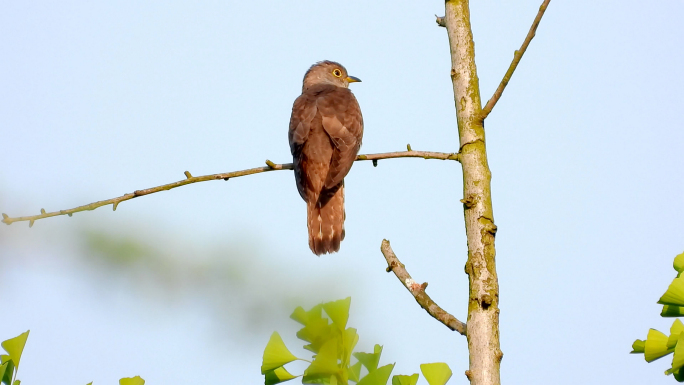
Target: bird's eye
337	72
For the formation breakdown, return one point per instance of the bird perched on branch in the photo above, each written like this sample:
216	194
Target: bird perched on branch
325	134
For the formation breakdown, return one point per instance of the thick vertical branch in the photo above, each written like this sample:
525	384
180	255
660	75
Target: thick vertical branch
483	303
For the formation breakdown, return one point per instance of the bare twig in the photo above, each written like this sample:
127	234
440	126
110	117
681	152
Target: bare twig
516	59
418	290
270	166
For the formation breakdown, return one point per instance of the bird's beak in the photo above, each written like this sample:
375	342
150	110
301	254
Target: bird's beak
352	79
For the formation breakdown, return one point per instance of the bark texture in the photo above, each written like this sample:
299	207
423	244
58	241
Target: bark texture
483	303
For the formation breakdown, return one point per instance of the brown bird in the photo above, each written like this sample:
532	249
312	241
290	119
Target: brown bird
325	134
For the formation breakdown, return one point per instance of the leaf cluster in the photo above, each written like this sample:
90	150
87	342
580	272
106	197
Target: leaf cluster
9	363
333	346
657	344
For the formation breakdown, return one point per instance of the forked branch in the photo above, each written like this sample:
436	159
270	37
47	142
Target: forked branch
189	179
418	290
514	64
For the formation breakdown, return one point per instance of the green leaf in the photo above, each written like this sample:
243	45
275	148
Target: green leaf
437	373
276	354
674	294
325	363
679	375
378	376
351	337
672	311
132	381
679	263
678	357
638	347
401	379
655	346
7	378
277	375
304	317
90	383
317	332
338	311
3	370
370	360
675	330
15	346
17	382
354	371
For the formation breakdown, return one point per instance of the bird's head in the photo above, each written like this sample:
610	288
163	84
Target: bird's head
328	72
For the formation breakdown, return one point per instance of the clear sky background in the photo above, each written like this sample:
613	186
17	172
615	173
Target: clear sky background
99	99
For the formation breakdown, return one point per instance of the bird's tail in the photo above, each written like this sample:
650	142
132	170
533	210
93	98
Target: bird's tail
325	219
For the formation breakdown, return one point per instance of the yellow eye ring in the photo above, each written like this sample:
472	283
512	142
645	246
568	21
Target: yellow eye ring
337	72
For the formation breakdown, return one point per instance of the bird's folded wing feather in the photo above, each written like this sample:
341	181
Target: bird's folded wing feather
342	120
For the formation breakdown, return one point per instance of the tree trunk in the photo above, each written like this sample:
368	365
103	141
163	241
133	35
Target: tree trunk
483	301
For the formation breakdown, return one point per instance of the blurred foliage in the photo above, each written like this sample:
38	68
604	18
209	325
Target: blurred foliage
234	282
332	344
9	363
657	344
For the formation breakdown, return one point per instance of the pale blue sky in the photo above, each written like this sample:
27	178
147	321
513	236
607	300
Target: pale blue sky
585	147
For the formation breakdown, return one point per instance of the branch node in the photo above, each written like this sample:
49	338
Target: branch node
31	223
440	21
226	179
408	147
375	163
71	214
418	291
42	211
271	164
362	157
5	219
468	202
187	174
468	374
114	205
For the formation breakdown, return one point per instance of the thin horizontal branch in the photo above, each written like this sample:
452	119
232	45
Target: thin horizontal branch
270	166
514	64
418	290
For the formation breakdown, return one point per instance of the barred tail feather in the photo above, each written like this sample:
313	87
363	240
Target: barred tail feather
325	218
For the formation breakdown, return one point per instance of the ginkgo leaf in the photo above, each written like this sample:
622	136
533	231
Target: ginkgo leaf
325	363
679	263
338	311
9	370
655	346
351	337
317	332
672	311
674	294
354	372
277	376
638	347
276	354
401	379
304	317
3	370
15	346
377	377
437	373
678	357
370	360
132	381
675	330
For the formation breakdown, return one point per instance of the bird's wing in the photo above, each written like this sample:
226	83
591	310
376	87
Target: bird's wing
303	113
343	122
